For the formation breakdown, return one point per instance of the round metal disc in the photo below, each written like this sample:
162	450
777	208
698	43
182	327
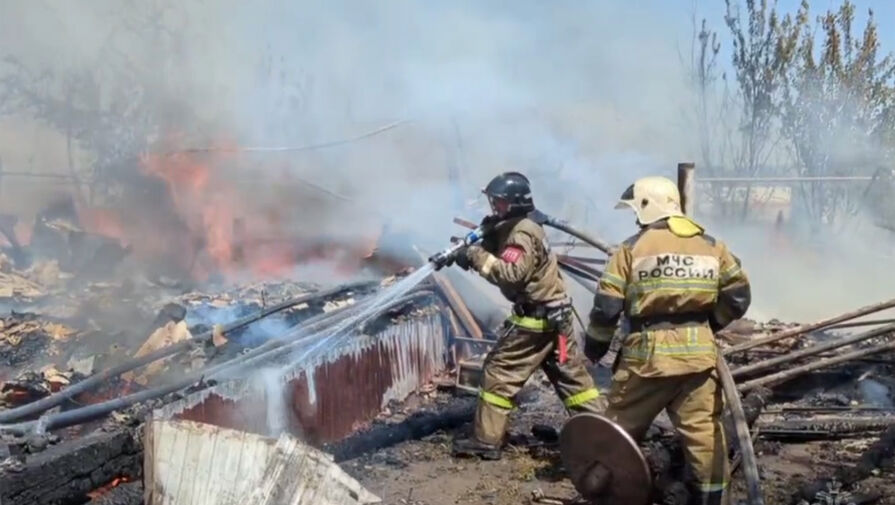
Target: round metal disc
589	439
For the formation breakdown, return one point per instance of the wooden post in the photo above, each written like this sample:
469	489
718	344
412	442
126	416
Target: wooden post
685	175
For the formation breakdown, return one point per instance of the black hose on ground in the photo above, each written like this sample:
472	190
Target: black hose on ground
97	379
254	357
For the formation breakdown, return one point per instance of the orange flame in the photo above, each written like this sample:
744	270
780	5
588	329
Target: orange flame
207	224
204	202
117	481
104	222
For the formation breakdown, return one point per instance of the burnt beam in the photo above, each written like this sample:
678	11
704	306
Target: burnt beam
421	424
801	330
67	472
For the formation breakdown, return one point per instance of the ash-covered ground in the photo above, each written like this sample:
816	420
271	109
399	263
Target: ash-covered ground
423	472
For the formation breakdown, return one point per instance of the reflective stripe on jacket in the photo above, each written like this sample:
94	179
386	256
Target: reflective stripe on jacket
670	268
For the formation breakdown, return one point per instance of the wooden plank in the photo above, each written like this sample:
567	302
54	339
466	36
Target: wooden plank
458	306
191	463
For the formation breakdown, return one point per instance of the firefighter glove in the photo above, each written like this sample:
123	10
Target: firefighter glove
489	221
462	258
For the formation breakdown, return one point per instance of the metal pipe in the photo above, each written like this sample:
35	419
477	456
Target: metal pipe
583	267
735	405
95	380
475	340
811	351
799	330
710	180
583	259
685	176
570	243
254	357
579	276
590	239
90	412
779	377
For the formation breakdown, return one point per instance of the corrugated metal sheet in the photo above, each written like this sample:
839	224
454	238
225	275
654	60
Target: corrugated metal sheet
335	394
188	463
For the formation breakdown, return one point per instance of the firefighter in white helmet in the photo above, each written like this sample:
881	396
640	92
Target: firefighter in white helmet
676	286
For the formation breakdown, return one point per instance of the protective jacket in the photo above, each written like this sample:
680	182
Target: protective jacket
516	258
676	285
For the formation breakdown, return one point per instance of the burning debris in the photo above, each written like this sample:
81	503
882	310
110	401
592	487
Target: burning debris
190	366
373	372
208	344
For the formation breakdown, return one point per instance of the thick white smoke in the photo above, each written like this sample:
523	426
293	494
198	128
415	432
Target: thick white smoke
582	96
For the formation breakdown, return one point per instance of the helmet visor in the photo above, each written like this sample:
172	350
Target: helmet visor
499	206
627	199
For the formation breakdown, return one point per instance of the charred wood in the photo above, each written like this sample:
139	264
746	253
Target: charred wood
780	377
416	426
585	282
128	493
827	427
881	450
96	380
199	378
67	472
753	404
812	351
807	328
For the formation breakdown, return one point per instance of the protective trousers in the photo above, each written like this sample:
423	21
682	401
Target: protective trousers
694	403
528	344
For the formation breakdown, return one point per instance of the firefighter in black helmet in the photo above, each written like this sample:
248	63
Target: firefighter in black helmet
516	258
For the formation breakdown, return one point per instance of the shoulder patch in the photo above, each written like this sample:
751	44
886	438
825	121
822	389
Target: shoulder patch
512	253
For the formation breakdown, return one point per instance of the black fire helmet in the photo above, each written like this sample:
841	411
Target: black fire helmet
515	189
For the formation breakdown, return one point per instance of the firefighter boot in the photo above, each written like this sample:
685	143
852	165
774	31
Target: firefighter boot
472	447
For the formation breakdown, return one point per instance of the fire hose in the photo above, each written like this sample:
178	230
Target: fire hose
97	379
590	239
747	452
271	349
541	218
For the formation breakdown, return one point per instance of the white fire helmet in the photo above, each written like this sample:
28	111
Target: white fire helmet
652	198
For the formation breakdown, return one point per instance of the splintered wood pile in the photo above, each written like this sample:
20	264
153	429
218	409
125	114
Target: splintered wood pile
188	366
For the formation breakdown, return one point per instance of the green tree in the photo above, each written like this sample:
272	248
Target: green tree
838	111
763	51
